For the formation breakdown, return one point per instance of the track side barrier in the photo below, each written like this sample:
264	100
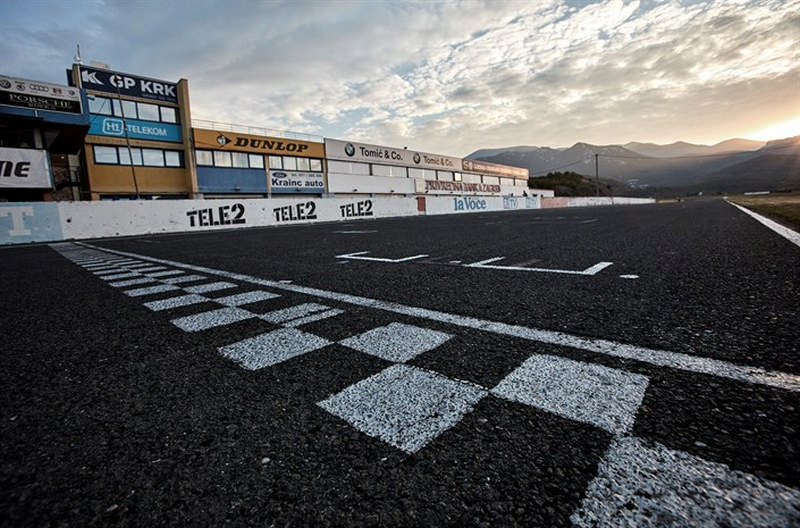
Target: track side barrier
22	223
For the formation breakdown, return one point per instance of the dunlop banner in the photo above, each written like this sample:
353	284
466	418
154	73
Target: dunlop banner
234	141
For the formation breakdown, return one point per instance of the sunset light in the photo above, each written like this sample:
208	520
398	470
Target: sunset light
780	130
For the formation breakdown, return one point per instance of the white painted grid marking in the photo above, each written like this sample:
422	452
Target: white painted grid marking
246	298
150	290
396	342
210	287
119	276
184	278
404	406
211	319
167	273
272	348
655	486
176	302
143	267
586	392
132	282
286	315
662	358
315	317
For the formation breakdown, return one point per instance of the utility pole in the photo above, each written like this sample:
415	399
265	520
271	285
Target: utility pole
596	176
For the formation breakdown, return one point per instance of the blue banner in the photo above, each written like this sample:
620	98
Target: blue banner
113	126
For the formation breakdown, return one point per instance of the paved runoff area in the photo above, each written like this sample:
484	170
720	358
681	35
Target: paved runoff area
630	366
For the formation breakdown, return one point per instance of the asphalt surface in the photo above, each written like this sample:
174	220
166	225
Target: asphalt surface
533	368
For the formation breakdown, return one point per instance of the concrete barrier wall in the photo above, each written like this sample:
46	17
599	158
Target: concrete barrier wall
53	221
575	201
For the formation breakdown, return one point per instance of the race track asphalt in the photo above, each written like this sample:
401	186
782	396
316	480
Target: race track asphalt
589	367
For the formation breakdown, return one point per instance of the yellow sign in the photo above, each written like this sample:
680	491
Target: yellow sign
233	141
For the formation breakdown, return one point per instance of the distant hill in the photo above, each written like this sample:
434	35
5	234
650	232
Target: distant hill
736	165
681	148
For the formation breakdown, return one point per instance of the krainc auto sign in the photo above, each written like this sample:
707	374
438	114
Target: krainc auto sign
39	95
24	169
124	84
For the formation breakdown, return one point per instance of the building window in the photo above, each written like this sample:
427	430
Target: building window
457	176
204	157
239	160
148	112
172	158
153	157
471	178
222	159
141	157
168	114
256	161
315	165
100	105
132	109
105	155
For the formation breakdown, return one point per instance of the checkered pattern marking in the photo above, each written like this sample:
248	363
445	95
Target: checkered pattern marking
408	407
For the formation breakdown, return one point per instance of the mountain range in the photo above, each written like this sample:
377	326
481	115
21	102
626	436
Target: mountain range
732	166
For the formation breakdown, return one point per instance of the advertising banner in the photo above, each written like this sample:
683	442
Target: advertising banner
296	182
460	187
484	167
113	126
211	139
124	84
24	169
349	151
39	95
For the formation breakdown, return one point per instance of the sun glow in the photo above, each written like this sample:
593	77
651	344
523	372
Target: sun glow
780	130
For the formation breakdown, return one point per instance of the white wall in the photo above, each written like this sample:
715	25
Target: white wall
53	221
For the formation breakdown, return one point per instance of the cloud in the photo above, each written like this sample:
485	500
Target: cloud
447	77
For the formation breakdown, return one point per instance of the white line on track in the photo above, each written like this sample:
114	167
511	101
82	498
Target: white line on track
662	358
785	232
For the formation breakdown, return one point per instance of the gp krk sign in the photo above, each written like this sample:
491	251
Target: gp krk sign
124	84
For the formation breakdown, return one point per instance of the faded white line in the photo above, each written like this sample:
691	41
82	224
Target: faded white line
785	232
660	358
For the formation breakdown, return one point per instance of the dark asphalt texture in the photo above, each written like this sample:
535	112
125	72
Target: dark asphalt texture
112	416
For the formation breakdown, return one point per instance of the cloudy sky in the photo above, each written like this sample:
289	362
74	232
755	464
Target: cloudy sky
443	76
